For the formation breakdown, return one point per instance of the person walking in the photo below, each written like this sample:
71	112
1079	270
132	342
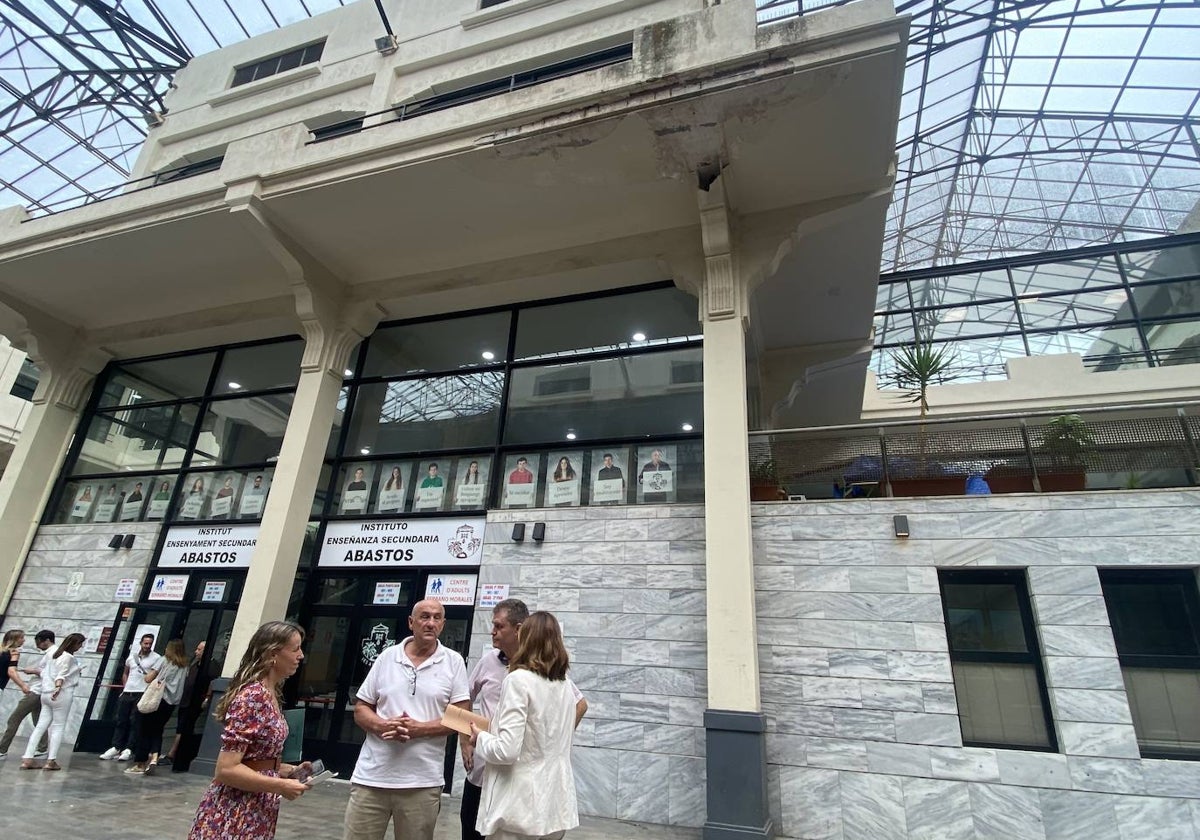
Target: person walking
195	698
31	703
173	675
528	785
139	664
60	674
243	799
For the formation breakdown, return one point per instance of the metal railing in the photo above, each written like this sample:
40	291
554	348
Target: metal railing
1121	447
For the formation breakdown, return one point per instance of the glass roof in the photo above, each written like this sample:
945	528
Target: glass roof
1024	126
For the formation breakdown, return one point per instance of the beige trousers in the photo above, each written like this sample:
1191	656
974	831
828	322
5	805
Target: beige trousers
413	812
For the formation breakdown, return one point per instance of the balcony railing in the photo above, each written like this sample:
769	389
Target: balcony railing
1100	449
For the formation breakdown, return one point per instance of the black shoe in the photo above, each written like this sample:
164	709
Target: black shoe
165	761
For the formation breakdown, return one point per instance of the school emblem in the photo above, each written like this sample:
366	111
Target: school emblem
464	543
656	482
376	643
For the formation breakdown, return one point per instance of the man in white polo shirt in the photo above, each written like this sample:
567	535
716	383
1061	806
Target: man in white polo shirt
141	667
400	769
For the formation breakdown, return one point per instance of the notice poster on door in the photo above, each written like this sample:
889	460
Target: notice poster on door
491	594
214	591
452	590
168	587
387	593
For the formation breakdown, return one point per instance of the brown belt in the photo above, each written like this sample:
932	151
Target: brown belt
261	764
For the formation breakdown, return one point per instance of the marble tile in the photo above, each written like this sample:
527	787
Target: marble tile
800	660
642	786
1004	811
884	635
785	552
645	708
688	602
837	754
642	652
830	691
866	724
1078	641
894	696
686	791
1146	818
673	627
1027	552
969	764
692	655
1084	672
1054	523
1074	815
835	553
1059	580
962	553
618	734
938	810
789	750
991	524
933	730
930	636
939	698
1172	778
1070	609
922	580
824	579
872	807
1033	769
596	780
920	666
1114	775
1099	739
859	663
688	711
898	759
668	681
1094	706
649	601
880	579
810	803
805	720
768	578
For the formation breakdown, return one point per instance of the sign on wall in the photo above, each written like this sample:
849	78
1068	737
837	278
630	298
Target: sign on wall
452	589
125	589
226	547
168	587
491	594
418	542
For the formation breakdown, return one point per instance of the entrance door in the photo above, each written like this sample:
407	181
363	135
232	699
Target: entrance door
207	615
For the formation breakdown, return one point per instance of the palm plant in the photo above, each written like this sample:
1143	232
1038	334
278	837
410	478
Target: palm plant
919	365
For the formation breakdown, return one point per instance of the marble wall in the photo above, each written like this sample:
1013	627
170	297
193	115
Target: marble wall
49	596
864	740
627	583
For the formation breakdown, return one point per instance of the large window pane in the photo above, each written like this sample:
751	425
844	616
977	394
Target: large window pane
136	439
984	617
1161	265
1073	310
974	319
642	319
1174	342
158	381
261	367
1102	348
651	394
1168	299
243	431
961	288
414	415
999	704
438	345
1065	276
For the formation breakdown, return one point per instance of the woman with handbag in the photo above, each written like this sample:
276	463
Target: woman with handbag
164	690
60	675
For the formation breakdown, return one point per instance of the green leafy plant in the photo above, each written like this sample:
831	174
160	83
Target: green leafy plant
1067	439
764	471
920	365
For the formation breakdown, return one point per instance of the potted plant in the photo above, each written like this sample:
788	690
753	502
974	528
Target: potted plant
918	366
764	481
1066	441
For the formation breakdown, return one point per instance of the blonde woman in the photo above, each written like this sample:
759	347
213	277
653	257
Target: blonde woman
243	799
172	673
10	655
60	675
528	785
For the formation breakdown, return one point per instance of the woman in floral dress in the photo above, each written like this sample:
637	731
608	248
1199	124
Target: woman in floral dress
243	800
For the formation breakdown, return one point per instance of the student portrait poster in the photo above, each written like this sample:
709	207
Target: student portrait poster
106	505
471	482
135	498
431	486
255	488
191	503
656	474
521	480
160	498
609	468
85	497
225	495
394	480
563	478
356	491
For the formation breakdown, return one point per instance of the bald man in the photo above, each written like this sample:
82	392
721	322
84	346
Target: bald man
400	769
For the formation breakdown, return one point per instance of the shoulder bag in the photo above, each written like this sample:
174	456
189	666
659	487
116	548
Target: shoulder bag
152	697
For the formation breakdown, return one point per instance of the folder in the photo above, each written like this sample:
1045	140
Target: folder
460	720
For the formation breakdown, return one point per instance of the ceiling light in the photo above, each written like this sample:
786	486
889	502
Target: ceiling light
639	336
234	386
570	436
366	450
348	372
687	427
488	355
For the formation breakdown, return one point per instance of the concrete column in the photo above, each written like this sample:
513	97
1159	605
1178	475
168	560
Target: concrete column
734	723
66	375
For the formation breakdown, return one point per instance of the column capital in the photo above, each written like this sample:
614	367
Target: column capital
331	332
724	293
66	364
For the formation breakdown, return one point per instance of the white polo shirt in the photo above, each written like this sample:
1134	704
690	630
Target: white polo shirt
389	687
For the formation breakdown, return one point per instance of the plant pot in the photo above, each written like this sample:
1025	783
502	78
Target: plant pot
1063	482
949	485
767	493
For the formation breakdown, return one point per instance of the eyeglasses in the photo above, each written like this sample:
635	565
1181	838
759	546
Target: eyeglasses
411	673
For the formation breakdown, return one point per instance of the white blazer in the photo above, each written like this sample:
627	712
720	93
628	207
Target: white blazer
528	785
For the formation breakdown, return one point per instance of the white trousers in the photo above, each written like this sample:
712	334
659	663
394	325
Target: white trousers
54	718
508	835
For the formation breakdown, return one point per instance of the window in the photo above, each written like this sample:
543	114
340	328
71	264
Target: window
276	64
997	667
1155	617
27	380
570	381
190	170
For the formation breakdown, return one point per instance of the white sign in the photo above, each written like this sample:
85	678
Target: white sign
563	492
420	542
214	591
125	588
662	481
491	594
105	511
221	506
452	589
522	494
608	490
428	498
387	593
168	587
226	547
469	495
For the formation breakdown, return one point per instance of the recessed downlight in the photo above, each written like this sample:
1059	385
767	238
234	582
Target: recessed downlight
488	355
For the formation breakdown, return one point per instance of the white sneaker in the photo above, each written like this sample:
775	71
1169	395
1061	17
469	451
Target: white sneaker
125	755
109	754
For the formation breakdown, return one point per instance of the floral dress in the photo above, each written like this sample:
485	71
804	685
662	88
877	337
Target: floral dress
256	728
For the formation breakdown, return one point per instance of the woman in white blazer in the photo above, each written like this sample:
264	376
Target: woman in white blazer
528	785
60	675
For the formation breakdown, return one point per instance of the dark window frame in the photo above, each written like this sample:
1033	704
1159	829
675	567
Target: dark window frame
1033	656
273	65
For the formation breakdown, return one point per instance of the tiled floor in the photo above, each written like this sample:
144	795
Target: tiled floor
95	800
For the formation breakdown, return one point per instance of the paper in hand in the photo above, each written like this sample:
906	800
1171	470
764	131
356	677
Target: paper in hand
460	720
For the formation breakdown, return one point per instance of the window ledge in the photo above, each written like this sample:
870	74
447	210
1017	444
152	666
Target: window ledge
308	71
513	7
